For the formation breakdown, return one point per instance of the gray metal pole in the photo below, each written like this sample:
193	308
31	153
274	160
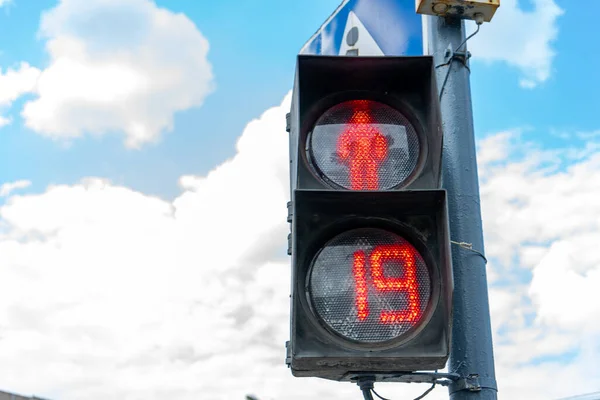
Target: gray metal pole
472	352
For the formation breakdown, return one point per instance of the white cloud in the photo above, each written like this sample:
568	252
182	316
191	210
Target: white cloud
117	66
522	39
9	187
542	228
17	82
588	135
4	121
539	199
108	292
496	148
111	293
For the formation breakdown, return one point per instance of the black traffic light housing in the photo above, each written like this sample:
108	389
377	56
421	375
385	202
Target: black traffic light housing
404	83
416	211
417	215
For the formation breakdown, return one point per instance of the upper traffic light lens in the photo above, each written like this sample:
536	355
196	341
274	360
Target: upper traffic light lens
364	145
369	285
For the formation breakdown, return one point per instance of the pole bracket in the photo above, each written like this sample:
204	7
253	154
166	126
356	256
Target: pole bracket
450	55
454	381
439	378
472	383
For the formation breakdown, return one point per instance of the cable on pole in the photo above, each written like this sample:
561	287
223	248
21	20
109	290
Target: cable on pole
367	385
454	53
469	246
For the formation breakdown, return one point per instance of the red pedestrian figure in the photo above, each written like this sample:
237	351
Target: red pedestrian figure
363	147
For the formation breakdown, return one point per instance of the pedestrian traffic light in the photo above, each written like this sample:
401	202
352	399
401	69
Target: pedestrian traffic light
371	268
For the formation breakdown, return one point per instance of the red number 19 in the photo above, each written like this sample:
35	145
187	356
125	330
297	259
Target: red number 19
408	284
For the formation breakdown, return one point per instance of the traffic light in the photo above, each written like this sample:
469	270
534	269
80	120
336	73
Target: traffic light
371	268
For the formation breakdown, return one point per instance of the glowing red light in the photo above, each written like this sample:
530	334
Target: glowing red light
369	285
360	276
406	255
363	147
403	253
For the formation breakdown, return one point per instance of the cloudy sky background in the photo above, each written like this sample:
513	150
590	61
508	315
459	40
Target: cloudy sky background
130	133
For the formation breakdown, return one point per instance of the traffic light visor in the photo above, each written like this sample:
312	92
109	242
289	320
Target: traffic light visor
364	145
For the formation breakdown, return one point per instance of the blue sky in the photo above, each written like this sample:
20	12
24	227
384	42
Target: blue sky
564	103
131	129
252	52
252	49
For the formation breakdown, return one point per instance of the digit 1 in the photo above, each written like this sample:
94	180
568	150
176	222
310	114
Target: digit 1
359	270
405	254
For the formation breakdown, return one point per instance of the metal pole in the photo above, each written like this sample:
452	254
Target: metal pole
472	352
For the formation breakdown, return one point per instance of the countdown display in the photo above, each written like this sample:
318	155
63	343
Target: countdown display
369	285
364	145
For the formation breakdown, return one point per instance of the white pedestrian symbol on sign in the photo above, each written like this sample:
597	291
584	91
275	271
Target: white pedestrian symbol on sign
357	40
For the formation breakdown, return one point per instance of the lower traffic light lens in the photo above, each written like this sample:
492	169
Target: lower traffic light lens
369	285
